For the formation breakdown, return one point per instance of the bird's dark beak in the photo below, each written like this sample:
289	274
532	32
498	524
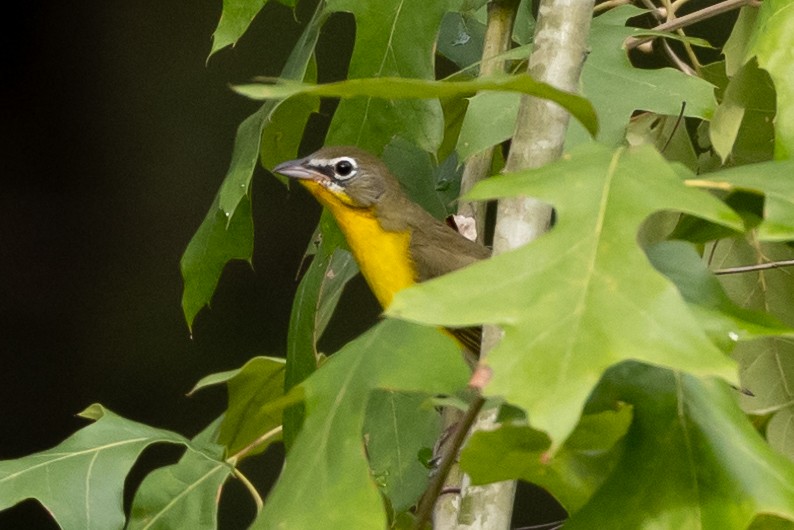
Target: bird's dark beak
295	169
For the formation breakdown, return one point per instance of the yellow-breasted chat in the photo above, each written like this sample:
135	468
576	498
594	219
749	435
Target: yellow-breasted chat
394	240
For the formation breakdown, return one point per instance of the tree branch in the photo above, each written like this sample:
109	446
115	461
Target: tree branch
757	267
498	33
428	501
691	18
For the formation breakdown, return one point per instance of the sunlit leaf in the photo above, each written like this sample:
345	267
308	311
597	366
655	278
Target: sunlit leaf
772	43
582	297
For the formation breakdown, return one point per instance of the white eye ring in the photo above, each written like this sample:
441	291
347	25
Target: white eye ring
344	168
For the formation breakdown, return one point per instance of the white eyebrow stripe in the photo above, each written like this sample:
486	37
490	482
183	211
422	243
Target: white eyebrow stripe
332	161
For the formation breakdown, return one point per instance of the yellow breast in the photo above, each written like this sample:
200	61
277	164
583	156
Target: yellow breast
383	257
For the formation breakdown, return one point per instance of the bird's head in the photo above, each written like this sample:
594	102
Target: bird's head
346	174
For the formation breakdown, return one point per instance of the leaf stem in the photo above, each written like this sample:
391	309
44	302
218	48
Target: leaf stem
425	508
253	445
757	267
251	489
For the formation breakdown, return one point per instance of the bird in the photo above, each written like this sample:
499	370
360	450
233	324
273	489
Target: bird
395	242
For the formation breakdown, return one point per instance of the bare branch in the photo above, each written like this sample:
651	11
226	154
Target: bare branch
756	267
692	18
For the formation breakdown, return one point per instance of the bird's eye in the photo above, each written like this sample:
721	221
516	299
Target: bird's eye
344	168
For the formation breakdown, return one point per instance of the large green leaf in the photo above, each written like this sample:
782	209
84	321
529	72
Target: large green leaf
227	231
774	179
185	494
396	88
326	479
691	459
582	297
772	43
81	481
394	38
572	475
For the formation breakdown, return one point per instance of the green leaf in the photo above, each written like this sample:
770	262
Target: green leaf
582	297
217	241
283	133
617	89
235	19
725	321
405	88
460	39
326	476
81	480
572	475
490	120
394	38
255	405
735	49
744	118
266	121
766	365
774	179
667	133
397	427
227	231
772	43
185	494
690	460
314	304
421	179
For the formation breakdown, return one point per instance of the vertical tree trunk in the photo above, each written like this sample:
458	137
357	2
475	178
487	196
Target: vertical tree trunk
559	51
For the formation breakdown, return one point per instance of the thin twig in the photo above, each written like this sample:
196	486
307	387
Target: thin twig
609	4
691	18
425	508
757	267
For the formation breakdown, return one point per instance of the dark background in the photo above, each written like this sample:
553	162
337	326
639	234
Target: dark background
116	135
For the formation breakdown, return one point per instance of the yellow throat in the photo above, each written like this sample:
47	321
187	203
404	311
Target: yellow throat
383	257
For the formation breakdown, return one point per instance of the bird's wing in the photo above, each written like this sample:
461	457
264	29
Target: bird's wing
438	249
